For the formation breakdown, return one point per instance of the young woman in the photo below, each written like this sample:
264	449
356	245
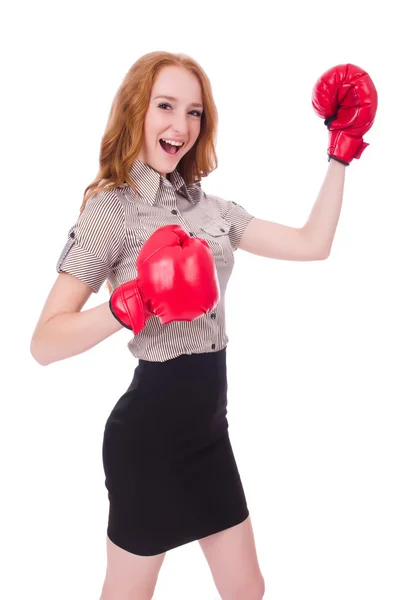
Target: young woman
166	249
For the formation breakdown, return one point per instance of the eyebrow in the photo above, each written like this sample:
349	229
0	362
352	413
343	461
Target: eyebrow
175	100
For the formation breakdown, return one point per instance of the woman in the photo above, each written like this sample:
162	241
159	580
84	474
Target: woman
170	471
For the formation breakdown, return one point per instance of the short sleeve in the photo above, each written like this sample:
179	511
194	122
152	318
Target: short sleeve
237	216
95	241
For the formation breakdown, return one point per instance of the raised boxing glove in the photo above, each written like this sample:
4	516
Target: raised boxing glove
346	97
177	281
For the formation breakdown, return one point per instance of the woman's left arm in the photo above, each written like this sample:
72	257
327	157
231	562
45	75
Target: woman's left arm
314	240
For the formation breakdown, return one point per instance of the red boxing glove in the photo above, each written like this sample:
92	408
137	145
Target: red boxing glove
346	97
177	281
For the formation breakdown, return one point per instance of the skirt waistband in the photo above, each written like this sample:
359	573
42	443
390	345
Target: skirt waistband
186	361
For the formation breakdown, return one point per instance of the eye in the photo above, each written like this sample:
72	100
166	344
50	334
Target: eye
198	113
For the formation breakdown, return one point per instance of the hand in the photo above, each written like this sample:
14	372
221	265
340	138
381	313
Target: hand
346	97
177	281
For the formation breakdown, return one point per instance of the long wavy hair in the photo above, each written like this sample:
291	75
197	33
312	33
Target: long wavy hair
124	133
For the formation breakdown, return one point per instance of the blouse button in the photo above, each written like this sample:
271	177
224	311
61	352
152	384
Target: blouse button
174	212
213	315
222	230
72	234
213	346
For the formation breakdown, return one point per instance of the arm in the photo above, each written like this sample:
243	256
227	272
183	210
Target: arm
62	330
314	240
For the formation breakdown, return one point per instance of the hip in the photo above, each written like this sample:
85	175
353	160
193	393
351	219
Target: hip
180	398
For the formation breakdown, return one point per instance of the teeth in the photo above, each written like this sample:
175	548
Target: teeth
172	143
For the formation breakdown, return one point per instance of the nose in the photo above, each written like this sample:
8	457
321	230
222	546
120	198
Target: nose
180	123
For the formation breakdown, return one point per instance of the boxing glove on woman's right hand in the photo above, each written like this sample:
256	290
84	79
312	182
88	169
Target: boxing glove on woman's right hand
177	281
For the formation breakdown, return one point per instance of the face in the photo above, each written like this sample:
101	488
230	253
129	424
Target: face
176	119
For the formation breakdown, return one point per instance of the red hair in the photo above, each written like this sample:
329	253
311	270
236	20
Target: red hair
123	137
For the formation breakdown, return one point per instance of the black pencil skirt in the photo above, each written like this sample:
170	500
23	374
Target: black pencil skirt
169	466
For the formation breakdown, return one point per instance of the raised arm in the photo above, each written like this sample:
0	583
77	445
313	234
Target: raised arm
314	240
346	97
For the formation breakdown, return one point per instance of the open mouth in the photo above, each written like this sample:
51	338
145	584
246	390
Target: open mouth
169	148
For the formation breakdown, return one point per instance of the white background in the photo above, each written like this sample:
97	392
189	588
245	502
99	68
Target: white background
312	351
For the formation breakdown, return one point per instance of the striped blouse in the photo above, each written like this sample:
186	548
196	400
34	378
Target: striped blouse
105	242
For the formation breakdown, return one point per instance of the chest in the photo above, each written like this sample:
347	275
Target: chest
201	220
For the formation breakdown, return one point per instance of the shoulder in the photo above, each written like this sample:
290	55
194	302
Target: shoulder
106	199
106	206
225	207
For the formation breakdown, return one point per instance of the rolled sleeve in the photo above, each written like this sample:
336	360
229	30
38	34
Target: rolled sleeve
237	216
95	241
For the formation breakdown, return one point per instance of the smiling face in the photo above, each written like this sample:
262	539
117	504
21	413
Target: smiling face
177	119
